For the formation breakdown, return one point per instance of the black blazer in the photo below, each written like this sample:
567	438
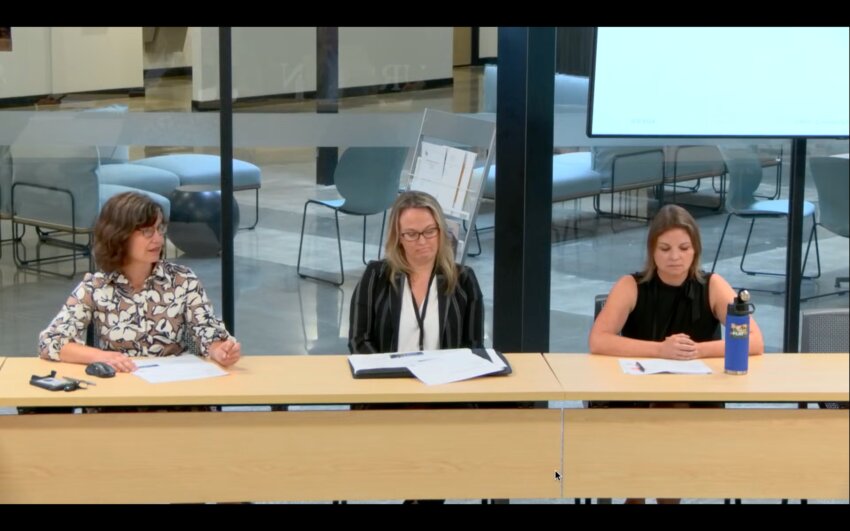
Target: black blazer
376	311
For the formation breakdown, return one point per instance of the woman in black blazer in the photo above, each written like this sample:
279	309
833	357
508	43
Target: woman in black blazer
417	298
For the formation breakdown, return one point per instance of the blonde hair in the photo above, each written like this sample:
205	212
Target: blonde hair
672	217
396	259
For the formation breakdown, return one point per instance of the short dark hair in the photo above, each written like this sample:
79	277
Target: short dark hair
120	216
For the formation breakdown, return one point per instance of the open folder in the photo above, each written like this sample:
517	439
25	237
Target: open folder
397	364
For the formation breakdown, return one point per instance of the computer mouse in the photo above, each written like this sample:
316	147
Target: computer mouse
100	369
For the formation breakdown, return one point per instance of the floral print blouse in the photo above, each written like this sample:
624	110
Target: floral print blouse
168	315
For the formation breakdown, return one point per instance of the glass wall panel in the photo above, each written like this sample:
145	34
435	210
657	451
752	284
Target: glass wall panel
84	114
599	238
387	77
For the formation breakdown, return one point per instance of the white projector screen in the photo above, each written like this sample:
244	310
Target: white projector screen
720	82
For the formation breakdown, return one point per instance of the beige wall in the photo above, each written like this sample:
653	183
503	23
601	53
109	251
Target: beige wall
488	42
462	46
168	47
72	59
381	56
26	70
283	60
265	61
85	59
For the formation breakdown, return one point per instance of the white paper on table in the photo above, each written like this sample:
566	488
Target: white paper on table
658	366
495	358
460	364
177	368
491	354
390	360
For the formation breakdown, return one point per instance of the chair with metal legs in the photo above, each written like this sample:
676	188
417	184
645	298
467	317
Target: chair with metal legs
832	180
745	174
688	163
367	178
5	190
772	158
57	190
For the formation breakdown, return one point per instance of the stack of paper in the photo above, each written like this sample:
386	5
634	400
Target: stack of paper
430	366
657	366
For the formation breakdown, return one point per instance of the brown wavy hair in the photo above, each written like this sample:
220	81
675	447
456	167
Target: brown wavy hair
120	216
396	259
672	217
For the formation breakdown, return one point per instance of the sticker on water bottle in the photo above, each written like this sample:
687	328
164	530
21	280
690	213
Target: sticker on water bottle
739	330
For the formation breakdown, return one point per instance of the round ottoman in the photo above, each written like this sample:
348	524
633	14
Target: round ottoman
195	223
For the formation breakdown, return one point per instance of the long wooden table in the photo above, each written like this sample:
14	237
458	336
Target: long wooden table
707	453
429	453
279	455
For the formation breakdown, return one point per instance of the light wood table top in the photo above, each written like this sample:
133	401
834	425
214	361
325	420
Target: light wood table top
771	377
275	380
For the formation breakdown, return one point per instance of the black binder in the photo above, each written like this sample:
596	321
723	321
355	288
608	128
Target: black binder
403	372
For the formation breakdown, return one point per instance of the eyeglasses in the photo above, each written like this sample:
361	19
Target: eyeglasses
412	235
148	232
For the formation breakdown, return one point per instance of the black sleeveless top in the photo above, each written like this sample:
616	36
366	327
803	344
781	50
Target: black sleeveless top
662	310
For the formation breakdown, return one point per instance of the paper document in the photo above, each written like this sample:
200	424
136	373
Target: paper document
460	364
463	186
176	368
446	173
431	366
658	366
435	152
360	362
430	170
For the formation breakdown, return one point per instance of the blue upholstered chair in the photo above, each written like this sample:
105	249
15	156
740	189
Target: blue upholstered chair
163	174
199	168
367	178
570	91
572	178
57	190
832	180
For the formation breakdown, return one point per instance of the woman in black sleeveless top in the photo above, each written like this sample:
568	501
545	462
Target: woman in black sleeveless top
671	309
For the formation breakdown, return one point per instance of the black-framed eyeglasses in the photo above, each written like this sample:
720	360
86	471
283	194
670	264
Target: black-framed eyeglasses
413	235
148	232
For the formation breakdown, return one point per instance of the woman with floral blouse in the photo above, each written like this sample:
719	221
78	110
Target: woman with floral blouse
140	304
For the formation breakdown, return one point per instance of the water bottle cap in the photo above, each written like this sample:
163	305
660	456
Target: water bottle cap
741	305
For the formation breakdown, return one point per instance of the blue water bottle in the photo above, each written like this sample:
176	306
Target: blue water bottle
737	346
